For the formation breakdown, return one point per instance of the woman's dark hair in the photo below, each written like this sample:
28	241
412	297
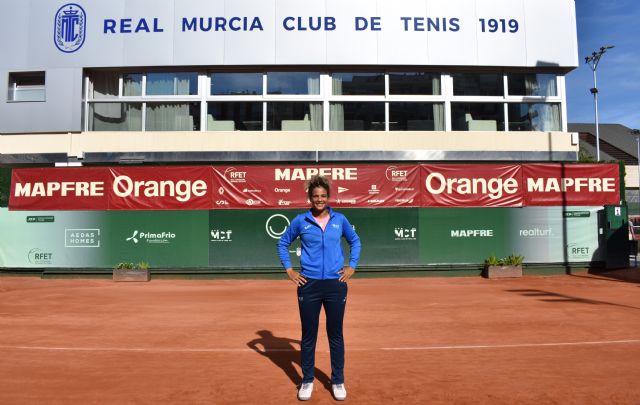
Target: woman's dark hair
318	181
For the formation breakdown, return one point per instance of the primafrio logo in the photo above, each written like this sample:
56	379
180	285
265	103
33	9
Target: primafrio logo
70	28
276	225
150	237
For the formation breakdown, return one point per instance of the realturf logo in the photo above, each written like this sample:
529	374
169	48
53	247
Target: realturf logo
151	237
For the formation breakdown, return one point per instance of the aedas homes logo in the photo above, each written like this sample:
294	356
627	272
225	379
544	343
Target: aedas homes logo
150	237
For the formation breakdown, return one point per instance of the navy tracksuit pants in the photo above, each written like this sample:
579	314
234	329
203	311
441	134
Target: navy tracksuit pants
332	295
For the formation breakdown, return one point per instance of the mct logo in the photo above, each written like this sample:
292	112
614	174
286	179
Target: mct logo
219	235
405	233
70	28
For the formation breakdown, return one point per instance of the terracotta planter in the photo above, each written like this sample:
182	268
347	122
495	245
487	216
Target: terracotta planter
502	271
130	275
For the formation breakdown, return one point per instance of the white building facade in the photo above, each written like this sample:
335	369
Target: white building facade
285	80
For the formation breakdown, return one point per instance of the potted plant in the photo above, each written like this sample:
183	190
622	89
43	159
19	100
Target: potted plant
126	271
510	266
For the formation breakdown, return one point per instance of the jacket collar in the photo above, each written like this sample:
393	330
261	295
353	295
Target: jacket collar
309	215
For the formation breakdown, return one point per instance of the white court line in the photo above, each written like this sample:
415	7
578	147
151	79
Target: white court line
605	342
237	350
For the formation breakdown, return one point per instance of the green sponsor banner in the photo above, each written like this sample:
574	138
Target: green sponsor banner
248	238
160	238
540	234
389	236
103	239
53	239
462	235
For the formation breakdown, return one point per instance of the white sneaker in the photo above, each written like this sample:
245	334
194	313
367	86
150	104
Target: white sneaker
339	392
305	391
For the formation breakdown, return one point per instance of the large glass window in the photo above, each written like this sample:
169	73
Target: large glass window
416	116
414	83
353	84
172	117
293	83
357	116
234	116
474	84
172	84
477	117
132	84
115	117
233	84
534	117
531	84
104	85
294	116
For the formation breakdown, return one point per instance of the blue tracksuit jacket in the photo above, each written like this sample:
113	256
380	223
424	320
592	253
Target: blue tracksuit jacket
322	256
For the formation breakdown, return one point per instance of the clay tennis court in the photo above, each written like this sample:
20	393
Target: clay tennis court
545	340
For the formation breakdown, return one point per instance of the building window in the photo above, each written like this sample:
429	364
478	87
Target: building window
534	117
531	84
414	83
416	116
234	116
294	116
172	84
292	83
104	85
172	117
132	84
477	117
357	116
478	84
356	84
236	84
26	86
115	117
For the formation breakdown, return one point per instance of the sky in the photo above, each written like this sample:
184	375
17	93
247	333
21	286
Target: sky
607	22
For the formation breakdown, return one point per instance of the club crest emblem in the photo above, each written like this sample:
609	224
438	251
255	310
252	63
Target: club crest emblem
70	28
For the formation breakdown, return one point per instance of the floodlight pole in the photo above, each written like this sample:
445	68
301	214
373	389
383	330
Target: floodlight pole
593	61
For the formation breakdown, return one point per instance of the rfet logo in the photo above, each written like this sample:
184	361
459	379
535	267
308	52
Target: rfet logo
234	175
69	28
394	174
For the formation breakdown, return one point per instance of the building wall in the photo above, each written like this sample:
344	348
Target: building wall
478	35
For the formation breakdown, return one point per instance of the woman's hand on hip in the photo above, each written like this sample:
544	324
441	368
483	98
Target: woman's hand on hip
296	277
346	273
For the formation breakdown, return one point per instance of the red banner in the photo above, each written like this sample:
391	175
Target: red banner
82	188
161	188
223	187
552	184
472	185
284	186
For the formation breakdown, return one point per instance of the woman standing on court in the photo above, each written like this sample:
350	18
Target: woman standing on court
322	281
